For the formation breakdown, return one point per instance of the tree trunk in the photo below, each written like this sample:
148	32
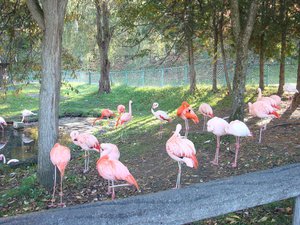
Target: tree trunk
215	57
192	71
296	99
51	20
103	41
283	48
224	54
242	37
261	63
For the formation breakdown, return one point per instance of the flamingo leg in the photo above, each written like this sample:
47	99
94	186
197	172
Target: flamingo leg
61	192
204	119
178	176
216	159
160	131
54	187
237	147
186	128
113	195
86	161
264	127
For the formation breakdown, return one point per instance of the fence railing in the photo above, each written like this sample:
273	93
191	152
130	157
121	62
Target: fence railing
193	203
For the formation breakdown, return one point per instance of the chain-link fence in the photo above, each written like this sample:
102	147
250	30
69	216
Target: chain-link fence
177	76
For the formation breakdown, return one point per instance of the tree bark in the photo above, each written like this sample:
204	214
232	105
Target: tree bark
242	38
296	99
224	54
283	47
52	12
215	56
261	63
103	40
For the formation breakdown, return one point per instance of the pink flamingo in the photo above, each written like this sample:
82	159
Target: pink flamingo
181	150
217	126
238	129
161	115
2	123
121	110
26	113
277	99
268	100
87	142
262	110
113	170
113	153
105	113
186	113
206	110
59	156
125	118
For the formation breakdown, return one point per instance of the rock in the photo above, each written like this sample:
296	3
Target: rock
18	125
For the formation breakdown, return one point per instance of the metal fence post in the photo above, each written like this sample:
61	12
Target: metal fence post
90	77
162	77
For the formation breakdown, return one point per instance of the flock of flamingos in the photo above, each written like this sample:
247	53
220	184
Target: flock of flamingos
178	147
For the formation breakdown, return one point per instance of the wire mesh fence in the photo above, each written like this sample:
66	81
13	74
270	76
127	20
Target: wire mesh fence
177	76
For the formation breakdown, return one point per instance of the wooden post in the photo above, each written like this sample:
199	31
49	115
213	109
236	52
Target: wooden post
296	217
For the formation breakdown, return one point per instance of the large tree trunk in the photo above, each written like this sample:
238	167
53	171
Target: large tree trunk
296	99
224	54
215	57
50	17
103	40
261	63
283	47
192	71
242	37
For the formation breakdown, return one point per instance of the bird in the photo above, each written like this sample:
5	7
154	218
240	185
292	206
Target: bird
125	117
181	150
26	113
104	113
217	126
2	123
121	109
87	142
262	110
113	153
3	158
160	115
238	129
186	113
60	156
206	110
268	100
114	170
276	98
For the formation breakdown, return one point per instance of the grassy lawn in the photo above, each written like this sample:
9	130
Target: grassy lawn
83	100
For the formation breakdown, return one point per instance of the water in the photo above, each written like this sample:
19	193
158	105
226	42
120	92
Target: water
20	144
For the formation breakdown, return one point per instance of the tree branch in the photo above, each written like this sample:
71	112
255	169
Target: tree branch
36	12
235	18
250	22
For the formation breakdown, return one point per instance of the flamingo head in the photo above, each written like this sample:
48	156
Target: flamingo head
130	101
189	114
155	105
121	109
185	104
74	134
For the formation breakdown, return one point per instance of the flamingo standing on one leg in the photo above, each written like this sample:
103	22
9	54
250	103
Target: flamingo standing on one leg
121	110
268	100
2	123
59	156
26	113
262	110
161	115
186	113
113	153
87	142
113	170
217	126
125	118
182	150
105	113
238	129
206	110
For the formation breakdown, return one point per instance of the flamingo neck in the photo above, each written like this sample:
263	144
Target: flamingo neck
3	158
259	93
152	110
